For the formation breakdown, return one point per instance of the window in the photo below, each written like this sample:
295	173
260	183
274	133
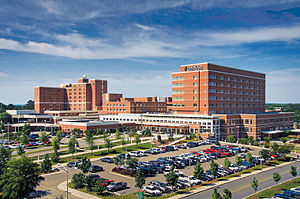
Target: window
195	105
212	90
195	98
194	91
212	97
222	78
195	77
213	77
194	84
212	83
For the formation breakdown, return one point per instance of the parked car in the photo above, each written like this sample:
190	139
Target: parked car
152	190
107	160
115	186
95	168
73	164
95	177
161	186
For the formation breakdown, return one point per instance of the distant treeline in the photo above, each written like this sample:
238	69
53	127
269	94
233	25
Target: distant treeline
287	108
28	106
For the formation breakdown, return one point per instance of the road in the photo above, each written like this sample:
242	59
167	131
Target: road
241	188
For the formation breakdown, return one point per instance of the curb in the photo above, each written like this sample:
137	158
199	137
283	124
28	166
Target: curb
62	187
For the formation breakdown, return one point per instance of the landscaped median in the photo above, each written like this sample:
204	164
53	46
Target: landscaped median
269	193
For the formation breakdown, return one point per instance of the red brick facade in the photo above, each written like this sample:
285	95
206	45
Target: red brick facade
80	96
115	103
211	89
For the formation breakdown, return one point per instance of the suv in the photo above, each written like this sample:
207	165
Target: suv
115	186
95	168
161	186
152	190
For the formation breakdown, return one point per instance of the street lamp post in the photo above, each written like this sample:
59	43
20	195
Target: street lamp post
2	136
67	170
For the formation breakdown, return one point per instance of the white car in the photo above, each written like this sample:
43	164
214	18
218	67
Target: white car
186	182
191	179
152	190
142	153
135	154
179	173
233	167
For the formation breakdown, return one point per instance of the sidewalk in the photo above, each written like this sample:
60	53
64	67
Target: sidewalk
218	183
73	192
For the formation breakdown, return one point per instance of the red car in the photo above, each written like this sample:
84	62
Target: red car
106	181
47	142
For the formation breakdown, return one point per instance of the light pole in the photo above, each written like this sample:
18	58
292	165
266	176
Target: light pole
8	131
2	136
66	170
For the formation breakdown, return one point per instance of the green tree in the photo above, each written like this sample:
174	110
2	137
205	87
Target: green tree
159	138
137	139
275	148
108	144
98	131
213	167
117	134
139	179
131	134
72	144
254	184
284	140
44	137
148	132
89	138
227	163
251	140
20	178
276	177
216	195
26	129
123	141
89	181
132	163
294	171
265	154
119	160
78	180
46	164
55	144
231	139
5	117
98	188
85	165
171	177
267	140
238	161
286	149
250	158
55	157
24	139
198	171
59	135
227	194
5	155
20	150
29	105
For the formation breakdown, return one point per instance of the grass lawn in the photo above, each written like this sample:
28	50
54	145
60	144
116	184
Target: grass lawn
277	189
120	150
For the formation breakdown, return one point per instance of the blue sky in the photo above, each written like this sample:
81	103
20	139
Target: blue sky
136	44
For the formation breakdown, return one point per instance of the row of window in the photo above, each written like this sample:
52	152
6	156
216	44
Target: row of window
208	124
178	78
233	92
234	79
234	99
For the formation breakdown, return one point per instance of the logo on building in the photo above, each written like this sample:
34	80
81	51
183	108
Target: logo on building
194	68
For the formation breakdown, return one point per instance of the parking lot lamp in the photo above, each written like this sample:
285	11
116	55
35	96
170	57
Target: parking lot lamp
66	170
2	136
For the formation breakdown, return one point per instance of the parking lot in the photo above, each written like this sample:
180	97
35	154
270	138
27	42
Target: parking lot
188	170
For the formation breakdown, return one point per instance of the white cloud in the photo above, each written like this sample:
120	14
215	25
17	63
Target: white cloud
2	74
244	36
143	27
